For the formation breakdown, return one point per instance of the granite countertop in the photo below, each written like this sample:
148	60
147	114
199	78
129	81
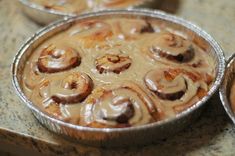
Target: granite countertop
212	134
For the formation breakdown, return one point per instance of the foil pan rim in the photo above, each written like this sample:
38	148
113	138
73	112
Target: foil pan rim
135	12
223	91
60	13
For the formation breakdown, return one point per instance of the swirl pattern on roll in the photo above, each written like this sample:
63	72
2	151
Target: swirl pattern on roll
176	87
41	94
54	60
69	89
112	63
120	106
59	96
173	49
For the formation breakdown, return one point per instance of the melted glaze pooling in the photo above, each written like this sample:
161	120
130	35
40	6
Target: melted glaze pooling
117	72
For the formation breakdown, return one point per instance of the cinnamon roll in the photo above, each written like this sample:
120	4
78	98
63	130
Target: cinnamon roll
41	95
92	32
57	95
176	88
53	60
112	63
73	88
131	29
173	49
68	89
119	106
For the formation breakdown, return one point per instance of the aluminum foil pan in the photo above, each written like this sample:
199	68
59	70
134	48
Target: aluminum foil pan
120	136
226	87
45	16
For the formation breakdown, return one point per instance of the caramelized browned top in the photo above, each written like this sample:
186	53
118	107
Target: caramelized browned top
79	6
117	72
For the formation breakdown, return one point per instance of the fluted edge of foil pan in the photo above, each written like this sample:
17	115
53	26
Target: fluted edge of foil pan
225	88
45	16
118	136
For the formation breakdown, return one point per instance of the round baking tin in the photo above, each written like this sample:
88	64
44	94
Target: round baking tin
45	16
225	88
120	136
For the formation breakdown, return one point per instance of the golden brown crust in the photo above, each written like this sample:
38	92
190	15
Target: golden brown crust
54	60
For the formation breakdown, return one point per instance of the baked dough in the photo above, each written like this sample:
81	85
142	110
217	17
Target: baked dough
117	72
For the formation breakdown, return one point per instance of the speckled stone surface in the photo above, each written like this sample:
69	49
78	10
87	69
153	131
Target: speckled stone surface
212	134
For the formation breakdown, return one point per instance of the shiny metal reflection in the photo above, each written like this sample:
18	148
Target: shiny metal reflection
226	87
120	136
